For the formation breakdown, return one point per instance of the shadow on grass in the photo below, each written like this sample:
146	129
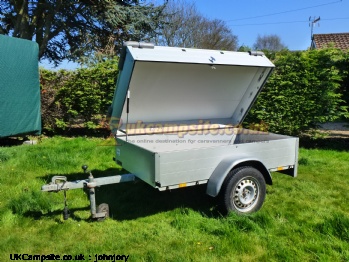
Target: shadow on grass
132	200
330	143
11	141
79	131
38	214
71	132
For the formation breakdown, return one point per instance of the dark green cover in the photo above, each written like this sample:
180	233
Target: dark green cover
19	87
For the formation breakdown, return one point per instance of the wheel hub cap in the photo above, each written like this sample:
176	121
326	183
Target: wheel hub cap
245	194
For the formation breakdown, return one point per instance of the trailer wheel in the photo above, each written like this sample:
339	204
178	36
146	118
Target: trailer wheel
243	190
103	208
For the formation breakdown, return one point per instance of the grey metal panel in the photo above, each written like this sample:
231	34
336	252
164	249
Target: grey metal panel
206	139
248	136
199	56
273	153
172	85
179	128
250	95
193	162
157	169
137	160
165	92
121	92
295	169
172	164
188	166
176	142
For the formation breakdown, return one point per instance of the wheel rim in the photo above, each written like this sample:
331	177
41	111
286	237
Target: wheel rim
245	194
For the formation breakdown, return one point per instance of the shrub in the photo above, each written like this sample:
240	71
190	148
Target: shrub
52	113
303	90
88	93
77	98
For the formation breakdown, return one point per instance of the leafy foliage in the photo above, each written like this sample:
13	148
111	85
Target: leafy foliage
89	92
343	66
81	97
303	90
71	29
244	48
52	113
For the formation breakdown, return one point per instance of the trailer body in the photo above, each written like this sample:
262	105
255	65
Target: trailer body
193	159
177	117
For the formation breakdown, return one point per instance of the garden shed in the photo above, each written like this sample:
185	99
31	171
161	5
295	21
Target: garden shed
19	87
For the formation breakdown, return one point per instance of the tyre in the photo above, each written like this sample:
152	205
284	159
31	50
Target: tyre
243	191
103	208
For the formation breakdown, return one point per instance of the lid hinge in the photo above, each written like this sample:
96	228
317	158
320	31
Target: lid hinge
133	44
256	53
139	44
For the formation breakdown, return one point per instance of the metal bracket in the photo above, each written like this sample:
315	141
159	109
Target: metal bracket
256	53
58	186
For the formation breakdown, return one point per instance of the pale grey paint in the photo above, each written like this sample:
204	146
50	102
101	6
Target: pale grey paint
169	85
185	162
121	93
224	167
188	87
173	92
100	181
141	161
198	56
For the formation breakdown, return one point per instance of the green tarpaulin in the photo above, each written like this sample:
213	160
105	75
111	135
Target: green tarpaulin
19	87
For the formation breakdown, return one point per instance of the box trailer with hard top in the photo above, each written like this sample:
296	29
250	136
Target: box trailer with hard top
176	117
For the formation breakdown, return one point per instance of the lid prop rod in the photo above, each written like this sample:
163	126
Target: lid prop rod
127	111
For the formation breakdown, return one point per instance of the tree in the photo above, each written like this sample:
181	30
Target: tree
179	25
269	42
71	29
244	48
184	26
216	35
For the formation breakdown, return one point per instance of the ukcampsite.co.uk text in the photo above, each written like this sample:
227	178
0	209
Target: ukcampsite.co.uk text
80	257
202	128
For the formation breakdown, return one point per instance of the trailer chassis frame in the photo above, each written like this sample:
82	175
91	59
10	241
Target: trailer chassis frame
60	183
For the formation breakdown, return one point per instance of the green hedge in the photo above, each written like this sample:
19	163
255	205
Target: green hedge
78	98
305	89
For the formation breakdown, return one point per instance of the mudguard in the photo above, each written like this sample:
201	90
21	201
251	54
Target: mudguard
222	170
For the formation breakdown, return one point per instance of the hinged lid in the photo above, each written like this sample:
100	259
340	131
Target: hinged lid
161	86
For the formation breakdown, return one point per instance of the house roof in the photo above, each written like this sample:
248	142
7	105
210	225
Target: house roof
340	40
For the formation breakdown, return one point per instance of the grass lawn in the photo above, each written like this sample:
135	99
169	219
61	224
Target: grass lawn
303	219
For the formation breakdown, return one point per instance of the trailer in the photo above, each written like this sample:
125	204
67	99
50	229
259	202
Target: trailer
176	117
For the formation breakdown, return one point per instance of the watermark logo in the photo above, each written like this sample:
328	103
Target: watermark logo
202	127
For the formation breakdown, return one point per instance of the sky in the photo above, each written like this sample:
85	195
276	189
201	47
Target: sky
289	19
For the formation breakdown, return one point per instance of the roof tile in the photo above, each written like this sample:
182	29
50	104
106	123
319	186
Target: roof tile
340	40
